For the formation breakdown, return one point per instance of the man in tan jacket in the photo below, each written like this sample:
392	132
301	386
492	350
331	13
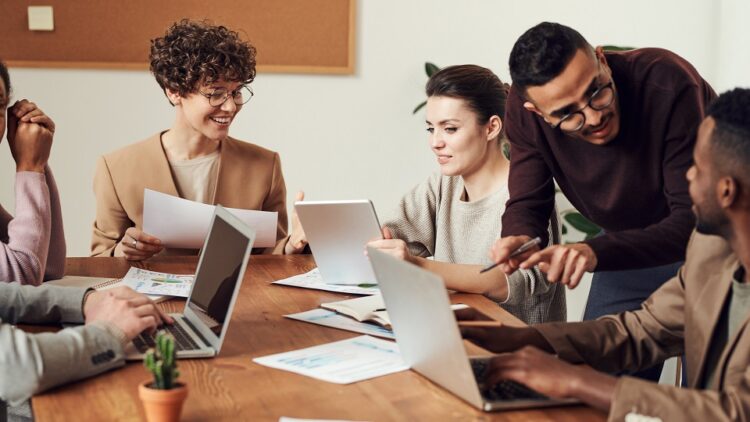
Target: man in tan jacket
703	312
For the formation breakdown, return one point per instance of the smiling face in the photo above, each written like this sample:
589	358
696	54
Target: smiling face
195	113
457	138
571	90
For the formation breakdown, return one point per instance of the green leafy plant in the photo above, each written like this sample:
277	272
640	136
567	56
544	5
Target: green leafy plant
430	69
162	363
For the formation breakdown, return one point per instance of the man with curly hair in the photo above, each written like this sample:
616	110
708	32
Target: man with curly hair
205	71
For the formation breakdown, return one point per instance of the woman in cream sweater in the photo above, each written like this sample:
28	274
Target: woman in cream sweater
454	216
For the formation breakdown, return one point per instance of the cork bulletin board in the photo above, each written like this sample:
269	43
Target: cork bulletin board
291	36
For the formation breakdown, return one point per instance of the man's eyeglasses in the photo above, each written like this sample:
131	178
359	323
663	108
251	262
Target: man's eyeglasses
219	96
599	100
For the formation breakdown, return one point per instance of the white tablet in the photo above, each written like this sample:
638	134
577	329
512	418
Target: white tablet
338	232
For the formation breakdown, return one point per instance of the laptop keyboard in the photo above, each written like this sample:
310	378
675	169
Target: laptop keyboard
504	390
182	340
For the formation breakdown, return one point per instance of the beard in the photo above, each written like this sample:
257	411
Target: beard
710	224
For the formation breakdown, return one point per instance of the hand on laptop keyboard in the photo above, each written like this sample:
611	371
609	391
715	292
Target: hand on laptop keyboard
125	309
541	372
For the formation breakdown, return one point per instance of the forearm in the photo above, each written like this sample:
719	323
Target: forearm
24	257
57	250
659	244
41	305
32	363
467	278
594	388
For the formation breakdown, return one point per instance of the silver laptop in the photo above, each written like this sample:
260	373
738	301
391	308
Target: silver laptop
430	342
200	330
337	232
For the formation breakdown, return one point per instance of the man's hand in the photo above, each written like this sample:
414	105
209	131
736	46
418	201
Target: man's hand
122	307
30	134
391	246
564	263
137	245
504	247
553	377
297	239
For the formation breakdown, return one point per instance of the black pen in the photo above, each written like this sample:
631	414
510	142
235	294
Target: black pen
521	249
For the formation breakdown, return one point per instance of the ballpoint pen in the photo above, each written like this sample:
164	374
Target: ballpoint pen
521	249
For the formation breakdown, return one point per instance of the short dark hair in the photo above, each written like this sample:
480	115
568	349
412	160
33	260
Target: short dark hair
482	90
198	52
6	78
542	53
730	140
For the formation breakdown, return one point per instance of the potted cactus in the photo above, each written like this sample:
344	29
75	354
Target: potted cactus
163	396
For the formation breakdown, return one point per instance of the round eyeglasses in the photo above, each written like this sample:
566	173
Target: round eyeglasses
219	96
599	100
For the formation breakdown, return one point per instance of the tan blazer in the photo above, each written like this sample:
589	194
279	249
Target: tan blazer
249	178
678	318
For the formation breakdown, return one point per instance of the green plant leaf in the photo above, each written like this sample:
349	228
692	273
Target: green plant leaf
564	229
419	107
581	223
430	69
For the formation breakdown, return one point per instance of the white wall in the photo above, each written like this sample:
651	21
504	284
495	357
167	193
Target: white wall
355	136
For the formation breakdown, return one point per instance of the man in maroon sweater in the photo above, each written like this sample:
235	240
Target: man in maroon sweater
616	131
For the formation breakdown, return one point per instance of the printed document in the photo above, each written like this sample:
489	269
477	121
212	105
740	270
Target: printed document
313	280
181	223
341	362
334	320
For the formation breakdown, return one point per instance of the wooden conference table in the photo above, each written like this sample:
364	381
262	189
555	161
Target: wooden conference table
232	387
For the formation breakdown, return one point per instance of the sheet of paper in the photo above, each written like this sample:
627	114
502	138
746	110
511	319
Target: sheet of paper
313	280
341	362
156	283
181	223
334	320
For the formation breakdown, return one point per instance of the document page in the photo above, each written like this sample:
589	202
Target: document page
341	362
334	320
313	280
156	283
181	223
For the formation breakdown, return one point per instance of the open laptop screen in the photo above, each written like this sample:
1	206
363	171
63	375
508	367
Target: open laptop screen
217	276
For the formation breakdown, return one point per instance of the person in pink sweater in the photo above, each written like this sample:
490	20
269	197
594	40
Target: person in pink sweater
32	243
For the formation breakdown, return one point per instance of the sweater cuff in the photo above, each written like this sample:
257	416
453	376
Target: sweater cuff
605	261
113	330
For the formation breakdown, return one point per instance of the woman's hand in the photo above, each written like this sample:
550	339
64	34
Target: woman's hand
30	133
137	245
297	239
391	246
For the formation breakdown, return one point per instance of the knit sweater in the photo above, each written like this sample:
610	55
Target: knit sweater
32	244
435	221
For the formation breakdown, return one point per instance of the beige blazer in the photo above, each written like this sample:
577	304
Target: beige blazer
678	318
249	178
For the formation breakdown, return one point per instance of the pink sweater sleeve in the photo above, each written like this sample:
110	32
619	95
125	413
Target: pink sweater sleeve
24	249
56	253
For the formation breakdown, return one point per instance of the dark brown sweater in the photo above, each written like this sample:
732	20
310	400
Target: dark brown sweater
634	187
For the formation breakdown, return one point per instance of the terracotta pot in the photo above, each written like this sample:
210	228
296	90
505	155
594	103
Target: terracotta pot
162	405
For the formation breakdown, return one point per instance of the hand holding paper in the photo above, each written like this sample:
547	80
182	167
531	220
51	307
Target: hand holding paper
181	223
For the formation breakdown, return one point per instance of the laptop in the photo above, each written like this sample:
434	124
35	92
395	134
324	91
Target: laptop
200	330
338	232
419	307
